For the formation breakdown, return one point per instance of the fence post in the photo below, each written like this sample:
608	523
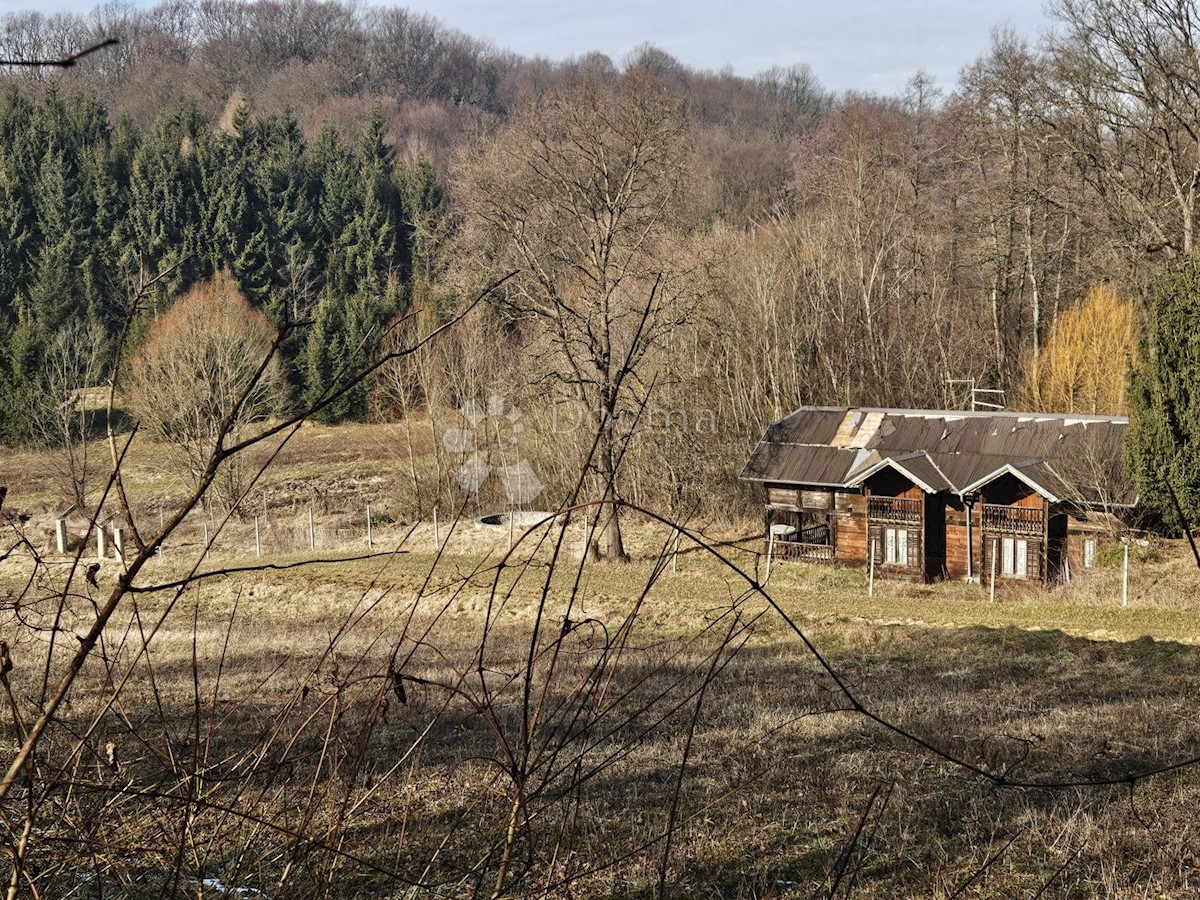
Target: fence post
369	545
100	548
60	535
871	574
437	538
312	535
510	530
675	555
118	542
992	592
1125	577
205	534
770	550
257	540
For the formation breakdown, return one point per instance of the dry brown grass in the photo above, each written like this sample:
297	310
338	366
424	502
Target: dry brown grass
259	739
777	779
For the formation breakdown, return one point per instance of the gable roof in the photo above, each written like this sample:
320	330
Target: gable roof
917	466
1062	457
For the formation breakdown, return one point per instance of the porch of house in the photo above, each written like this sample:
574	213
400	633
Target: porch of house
801	534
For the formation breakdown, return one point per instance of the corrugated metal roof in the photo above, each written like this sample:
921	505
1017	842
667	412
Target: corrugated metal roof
1068	455
923	468
807	425
801	464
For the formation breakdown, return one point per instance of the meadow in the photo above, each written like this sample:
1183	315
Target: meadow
469	721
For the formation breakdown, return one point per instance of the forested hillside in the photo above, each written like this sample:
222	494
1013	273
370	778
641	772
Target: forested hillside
345	163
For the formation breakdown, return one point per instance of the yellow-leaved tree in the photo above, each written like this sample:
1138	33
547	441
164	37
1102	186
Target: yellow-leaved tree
1082	368
207	368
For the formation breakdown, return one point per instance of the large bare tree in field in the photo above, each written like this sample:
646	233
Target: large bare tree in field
580	192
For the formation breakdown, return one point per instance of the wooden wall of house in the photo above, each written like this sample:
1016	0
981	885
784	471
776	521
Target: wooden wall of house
890	483
956	538
1009	491
782	496
850	527
1099	527
1056	543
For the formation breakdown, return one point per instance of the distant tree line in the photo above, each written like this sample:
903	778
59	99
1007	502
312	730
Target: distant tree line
853	249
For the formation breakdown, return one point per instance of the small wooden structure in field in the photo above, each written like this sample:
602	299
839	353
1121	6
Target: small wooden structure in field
932	494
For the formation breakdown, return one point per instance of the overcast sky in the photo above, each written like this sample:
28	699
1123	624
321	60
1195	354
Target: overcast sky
866	45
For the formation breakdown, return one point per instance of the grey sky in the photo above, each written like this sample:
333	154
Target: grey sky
866	45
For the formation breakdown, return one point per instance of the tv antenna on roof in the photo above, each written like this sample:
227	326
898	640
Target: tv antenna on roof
976	402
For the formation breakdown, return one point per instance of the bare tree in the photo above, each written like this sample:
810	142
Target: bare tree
74	362
1126	97
579	191
205	371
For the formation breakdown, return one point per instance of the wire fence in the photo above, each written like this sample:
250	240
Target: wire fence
286	534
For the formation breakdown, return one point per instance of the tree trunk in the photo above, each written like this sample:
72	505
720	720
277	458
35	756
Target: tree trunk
609	513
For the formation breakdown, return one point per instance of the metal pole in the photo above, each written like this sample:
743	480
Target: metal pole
970	544
770	550
1125	578
312	536
871	575
369	545
257	540
992	594
100	549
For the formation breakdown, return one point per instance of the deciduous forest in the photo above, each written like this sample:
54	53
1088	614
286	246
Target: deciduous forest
352	167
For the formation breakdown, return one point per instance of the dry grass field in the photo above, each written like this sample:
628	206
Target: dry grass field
399	722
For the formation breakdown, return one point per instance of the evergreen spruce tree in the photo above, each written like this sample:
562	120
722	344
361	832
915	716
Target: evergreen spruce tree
324	354
234	234
164	194
1162	446
334	175
17	218
286	193
426	218
365	263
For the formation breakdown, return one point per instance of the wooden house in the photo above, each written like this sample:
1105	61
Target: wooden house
928	494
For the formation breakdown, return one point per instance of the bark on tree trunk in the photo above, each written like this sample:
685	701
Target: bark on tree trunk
609	513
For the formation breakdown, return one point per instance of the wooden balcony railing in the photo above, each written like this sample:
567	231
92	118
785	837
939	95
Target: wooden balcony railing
894	510
1012	520
805	552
